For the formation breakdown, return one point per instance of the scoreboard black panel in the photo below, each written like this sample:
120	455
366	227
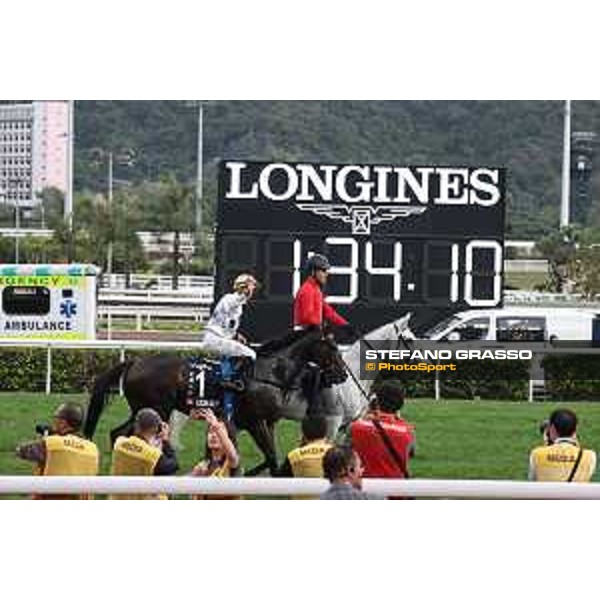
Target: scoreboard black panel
423	239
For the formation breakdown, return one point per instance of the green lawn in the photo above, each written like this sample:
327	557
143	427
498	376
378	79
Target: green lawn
120	324
455	439
20	412
524	281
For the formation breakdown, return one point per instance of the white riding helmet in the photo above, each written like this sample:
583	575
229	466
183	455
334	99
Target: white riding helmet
243	280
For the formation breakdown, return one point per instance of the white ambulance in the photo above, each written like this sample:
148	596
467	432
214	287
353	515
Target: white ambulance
521	323
55	302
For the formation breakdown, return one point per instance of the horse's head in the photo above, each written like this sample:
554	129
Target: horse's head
396	332
399	329
321	351
313	347
285	357
325	353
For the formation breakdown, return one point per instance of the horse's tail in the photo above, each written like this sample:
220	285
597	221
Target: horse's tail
99	396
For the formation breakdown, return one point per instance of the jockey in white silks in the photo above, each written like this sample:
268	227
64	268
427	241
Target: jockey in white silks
221	335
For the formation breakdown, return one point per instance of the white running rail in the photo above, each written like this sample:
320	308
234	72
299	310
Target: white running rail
121	345
415	488
161	282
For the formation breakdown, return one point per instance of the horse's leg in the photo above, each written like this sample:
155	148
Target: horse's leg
177	422
334	422
332	412
123	429
263	437
273	467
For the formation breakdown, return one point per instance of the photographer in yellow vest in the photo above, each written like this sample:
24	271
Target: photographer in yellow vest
61	450
561	458
147	452
307	459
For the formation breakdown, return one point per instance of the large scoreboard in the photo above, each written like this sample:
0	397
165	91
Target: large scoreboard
400	238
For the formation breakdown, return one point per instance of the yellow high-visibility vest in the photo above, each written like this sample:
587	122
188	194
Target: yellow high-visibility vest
307	461
134	456
555	462
69	455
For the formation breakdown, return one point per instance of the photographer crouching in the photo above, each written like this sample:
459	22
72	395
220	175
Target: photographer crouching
145	453
561	458
61	450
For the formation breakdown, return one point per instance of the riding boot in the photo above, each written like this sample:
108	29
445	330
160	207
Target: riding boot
232	383
229	379
244	367
229	399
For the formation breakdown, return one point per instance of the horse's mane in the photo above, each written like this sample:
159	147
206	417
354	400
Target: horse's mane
290	339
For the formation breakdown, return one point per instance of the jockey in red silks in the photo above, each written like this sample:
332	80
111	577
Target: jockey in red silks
310	308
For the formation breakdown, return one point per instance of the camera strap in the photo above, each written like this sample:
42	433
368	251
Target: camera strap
390	448
576	465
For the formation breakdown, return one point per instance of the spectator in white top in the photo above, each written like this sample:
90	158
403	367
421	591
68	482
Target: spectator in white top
221	334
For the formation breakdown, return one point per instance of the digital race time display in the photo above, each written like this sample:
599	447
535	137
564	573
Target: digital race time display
423	239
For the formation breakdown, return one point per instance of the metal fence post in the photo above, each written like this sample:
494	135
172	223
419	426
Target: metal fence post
530	394
48	369
122	359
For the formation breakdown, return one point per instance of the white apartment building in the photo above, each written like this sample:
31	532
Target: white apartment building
33	149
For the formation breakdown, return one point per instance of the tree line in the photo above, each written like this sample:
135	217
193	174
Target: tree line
164	206
526	137
155	144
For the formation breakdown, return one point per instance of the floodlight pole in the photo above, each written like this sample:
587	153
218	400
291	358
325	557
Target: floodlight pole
68	206
109	248
200	161
566	169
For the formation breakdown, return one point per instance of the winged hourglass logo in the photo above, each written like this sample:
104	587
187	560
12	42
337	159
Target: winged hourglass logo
360	217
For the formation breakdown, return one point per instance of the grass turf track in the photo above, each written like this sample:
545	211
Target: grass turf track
455	439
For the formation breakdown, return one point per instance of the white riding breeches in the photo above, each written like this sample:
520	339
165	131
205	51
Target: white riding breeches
224	346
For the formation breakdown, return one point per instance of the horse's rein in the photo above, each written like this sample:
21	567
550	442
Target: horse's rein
399	339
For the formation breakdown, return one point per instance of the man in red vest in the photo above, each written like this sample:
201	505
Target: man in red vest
310	308
382	438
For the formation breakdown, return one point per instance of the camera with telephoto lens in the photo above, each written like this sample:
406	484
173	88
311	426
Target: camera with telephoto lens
544	427
43	429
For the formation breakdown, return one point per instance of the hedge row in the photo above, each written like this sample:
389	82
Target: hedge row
474	379
73	371
573	376
568	377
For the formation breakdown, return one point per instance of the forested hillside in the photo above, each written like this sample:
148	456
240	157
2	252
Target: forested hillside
524	136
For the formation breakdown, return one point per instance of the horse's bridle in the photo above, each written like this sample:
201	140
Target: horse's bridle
399	342
399	339
284	387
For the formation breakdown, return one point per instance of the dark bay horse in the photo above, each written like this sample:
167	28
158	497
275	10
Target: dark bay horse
273	390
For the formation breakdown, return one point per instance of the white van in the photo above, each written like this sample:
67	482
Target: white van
56	302
515	324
